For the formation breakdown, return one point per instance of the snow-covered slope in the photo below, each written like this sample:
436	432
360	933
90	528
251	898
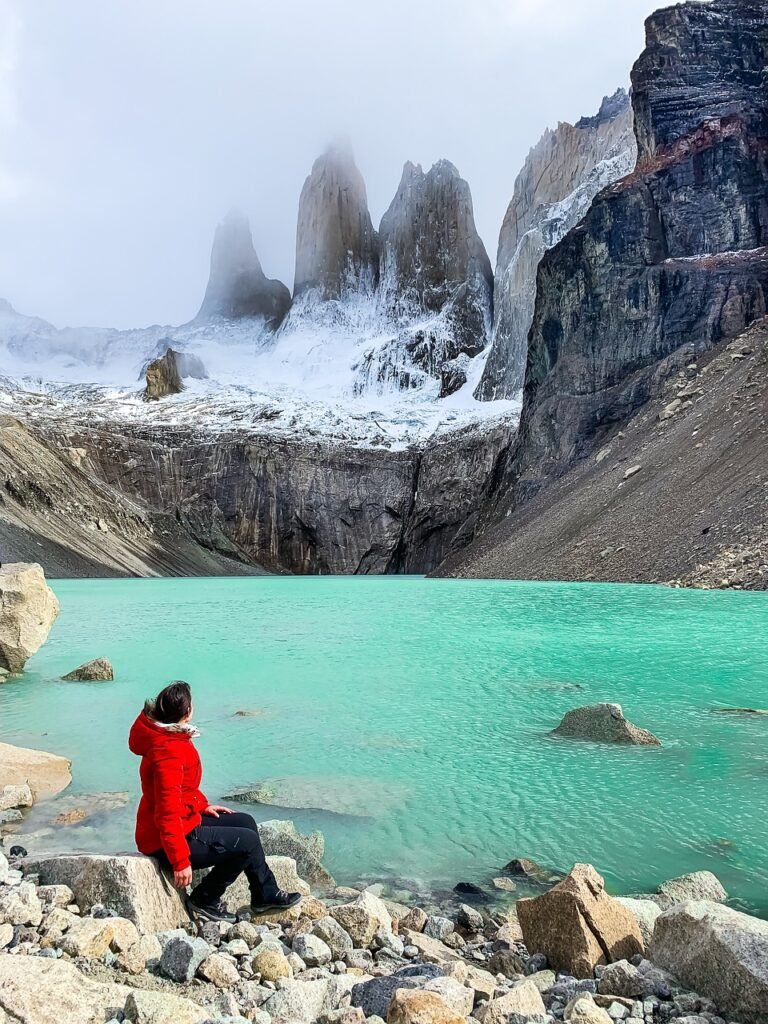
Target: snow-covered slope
324	374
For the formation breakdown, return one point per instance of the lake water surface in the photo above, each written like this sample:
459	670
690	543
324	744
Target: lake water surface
408	718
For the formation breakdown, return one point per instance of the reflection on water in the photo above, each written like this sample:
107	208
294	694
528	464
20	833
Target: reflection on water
408	719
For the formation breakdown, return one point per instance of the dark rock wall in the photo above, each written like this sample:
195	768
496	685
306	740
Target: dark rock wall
673	255
303	508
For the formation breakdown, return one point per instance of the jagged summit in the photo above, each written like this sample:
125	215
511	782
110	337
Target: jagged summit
237	285
336	245
432	258
562	174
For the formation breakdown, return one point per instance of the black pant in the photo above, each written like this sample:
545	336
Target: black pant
229	844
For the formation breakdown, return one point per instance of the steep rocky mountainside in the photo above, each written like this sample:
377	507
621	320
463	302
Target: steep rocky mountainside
55	511
290	506
668	263
336	247
237	285
562	174
433	261
678	494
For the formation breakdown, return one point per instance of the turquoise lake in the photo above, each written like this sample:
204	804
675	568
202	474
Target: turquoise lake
409	718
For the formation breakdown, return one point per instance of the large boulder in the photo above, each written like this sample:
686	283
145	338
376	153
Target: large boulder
603	723
577	925
129	884
238	895
38	990
645	913
720	953
308	1000
282	839
698	885
99	669
362	918
45	774
162	1008
28	610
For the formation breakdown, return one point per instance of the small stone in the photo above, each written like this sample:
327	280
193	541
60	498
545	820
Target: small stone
582	1009
632	471
415	920
181	958
55	895
506	962
143	1007
470	918
420	1007
88	937
124	934
20	905
505	884
438	927
219	971
271	964
385	940
12	797
312	950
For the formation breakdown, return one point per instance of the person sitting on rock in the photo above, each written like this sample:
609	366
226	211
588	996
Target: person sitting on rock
176	824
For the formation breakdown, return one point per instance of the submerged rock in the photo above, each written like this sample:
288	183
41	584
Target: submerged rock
603	723
28	610
45	774
718	952
98	669
698	885
577	925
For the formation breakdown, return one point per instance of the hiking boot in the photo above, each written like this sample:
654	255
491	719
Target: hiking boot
211	910
280	901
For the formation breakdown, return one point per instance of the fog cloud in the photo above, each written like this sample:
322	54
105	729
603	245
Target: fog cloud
127	130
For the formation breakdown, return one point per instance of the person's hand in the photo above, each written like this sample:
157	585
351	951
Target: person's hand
183	878
215	810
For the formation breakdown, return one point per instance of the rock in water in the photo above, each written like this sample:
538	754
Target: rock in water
698	885
237	285
719	952
45	774
98	669
336	246
433	261
163	377
577	925
28	610
603	723
562	174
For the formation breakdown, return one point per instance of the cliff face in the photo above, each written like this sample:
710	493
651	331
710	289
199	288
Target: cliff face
336	246
295	507
667	262
237	285
433	260
561	176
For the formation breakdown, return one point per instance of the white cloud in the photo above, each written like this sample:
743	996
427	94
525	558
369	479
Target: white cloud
10	33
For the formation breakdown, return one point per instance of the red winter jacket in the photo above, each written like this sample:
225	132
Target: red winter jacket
171	801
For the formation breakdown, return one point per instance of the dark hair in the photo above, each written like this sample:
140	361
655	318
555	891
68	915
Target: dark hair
171	704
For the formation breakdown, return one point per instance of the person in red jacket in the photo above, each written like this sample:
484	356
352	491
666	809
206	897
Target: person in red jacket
176	824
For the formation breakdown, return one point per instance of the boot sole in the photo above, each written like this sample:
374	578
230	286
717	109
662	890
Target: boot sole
268	908
196	911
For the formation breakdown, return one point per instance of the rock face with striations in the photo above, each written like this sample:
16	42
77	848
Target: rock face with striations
562	174
237	285
434	262
668	261
336	245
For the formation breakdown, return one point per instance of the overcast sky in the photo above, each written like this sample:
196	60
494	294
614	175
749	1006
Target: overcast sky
129	127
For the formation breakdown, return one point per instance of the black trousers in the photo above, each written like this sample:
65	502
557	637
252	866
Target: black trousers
229	844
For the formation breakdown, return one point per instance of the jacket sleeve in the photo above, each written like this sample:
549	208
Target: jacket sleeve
169	776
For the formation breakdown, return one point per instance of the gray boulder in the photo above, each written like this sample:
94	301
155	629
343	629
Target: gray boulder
603	723
374	996
28	610
698	885
299	1000
100	669
718	952
282	839
182	956
645	912
334	936
130	884
312	950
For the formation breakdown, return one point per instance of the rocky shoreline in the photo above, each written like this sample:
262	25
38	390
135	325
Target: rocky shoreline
95	938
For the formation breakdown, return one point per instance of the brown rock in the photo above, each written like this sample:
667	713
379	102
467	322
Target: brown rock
522	998
163	377
28	610
412	1006
577	925
99	669
414	920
